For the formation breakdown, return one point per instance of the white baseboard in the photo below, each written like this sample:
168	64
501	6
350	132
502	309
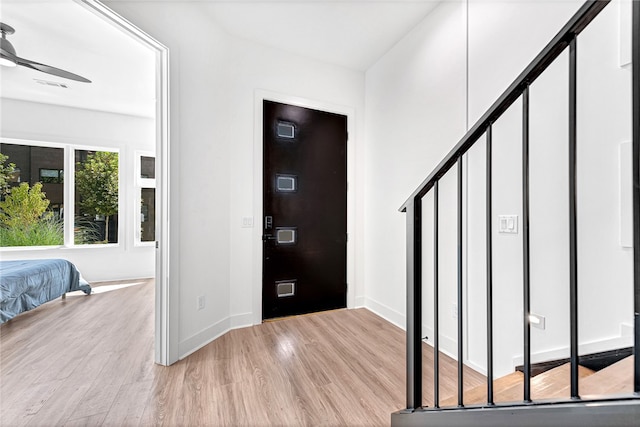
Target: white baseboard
241	320
477	368
213	332
447	345
386	313
586	348
626	330
204	337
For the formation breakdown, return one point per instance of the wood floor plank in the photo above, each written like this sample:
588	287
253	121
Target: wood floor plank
60	406
344	367
94	420
354	410
98	399
17	412
129	405
167	397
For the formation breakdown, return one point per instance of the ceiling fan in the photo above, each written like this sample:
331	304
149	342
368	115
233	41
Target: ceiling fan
9	58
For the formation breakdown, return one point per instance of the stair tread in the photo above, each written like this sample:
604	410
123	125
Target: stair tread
478	394
614	379
510	388
617	378
556	383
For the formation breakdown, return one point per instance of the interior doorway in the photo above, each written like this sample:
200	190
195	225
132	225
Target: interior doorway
166	316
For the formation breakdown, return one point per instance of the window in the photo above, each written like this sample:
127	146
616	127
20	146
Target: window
286	288
147	190
285	236
51	176
147	167
32	195
148	215
285	130
286	183
36	180
96	197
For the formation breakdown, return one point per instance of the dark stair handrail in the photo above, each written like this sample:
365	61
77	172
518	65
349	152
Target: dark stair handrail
566	38
560	42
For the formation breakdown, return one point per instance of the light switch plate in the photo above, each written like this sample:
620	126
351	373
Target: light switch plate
247	222
508	224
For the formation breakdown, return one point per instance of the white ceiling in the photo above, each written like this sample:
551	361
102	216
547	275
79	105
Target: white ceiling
64	34
353	33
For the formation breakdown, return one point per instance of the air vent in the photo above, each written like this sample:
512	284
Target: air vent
49	83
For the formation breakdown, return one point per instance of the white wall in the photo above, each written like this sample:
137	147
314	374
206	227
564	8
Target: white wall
29	121
264	72
214	79
605	268
518	32
412	120
416	99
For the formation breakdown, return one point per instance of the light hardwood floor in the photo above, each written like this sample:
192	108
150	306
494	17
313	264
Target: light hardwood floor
88	361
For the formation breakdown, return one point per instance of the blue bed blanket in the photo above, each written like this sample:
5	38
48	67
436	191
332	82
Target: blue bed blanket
25	285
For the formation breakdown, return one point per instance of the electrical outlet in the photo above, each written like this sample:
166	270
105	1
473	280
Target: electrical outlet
454	310
201	302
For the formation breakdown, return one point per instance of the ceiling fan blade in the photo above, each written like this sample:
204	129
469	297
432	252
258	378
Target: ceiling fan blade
51	70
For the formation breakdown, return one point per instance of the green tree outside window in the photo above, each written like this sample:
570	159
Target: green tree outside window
97	185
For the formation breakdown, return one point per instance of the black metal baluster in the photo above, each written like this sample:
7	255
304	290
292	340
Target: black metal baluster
520	87
436	311
573	230
414	304
489	215
460	271
525	244
636	188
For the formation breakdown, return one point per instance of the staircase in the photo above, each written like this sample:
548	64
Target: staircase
569	395
554	384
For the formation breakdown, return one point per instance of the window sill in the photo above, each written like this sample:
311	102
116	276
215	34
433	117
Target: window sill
52	248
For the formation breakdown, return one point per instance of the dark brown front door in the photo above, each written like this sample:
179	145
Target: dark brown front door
305	210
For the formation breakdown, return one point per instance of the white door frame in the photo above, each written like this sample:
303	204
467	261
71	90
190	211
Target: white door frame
259	97
166	314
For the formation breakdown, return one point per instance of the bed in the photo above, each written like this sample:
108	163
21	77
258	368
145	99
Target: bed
25	285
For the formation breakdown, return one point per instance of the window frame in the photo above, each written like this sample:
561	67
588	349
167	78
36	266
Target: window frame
140	184
68	183
70	220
